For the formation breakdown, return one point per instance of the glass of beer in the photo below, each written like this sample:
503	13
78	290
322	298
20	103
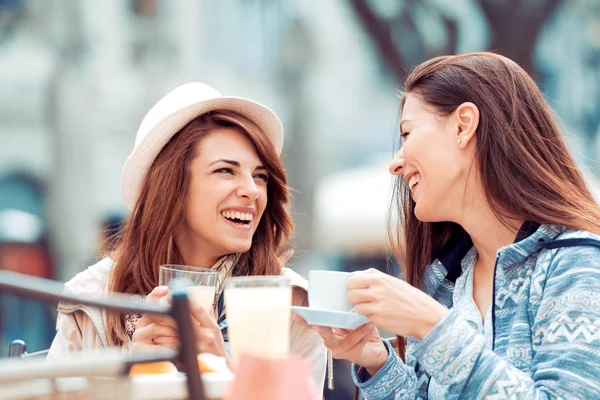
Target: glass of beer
258	316
202	283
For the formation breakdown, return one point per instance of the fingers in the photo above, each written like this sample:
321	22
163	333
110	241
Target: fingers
205	338
361	343
341	340
298	319
147	338
155	295
341	346
166	341
203	318
357	296
207	332
366	309
148	319
153	330
154	334
209	340
353	338
364	279
142	347
327	334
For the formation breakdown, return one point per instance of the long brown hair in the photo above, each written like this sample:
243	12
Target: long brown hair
147	239
525	166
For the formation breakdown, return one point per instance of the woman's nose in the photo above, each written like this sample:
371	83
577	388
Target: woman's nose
248	189
397	163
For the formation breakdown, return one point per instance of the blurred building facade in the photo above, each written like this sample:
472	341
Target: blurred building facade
78	77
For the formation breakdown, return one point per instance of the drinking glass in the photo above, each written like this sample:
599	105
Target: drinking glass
258	316
202	283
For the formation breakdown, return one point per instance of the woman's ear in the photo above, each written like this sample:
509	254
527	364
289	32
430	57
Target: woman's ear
466	117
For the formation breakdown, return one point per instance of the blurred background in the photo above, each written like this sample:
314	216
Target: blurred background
76	78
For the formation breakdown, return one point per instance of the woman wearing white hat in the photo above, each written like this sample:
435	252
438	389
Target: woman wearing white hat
198	157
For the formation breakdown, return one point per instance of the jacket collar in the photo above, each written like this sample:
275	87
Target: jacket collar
452	254
526	242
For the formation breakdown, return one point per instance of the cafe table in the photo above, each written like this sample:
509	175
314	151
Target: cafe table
99	377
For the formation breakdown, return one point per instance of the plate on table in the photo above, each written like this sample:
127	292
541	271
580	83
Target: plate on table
174	386
330	318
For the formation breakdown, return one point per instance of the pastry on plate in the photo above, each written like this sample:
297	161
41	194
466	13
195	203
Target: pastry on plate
159	367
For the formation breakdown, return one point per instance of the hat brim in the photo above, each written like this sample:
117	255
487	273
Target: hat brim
141	158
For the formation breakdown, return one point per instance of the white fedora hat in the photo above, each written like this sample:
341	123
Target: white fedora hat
172	113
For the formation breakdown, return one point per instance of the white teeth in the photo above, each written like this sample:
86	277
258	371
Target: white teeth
237	215
413	182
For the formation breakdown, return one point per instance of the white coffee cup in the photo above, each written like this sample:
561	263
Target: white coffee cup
328	290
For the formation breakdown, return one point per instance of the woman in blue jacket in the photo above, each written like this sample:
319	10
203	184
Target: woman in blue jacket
498	236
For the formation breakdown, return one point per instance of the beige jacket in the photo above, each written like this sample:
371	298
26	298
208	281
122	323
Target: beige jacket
81	327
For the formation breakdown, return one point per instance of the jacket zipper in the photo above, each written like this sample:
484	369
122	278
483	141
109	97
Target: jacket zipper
494	306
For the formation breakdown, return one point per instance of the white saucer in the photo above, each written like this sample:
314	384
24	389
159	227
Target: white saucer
330	318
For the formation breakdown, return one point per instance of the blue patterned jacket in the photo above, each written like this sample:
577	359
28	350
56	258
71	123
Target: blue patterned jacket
546	326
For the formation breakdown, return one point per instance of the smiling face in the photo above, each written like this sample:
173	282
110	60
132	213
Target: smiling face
227	195
433	164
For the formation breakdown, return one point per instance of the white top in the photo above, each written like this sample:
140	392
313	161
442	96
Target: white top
464	303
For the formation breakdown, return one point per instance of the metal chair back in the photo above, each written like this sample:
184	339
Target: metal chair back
50	291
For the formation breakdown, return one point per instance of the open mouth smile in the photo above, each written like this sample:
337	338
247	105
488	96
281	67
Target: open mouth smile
238	218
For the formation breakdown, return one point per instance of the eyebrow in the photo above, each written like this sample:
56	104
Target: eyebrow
235	164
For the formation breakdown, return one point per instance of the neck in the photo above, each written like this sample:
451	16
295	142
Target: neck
196	254
490	237
487	231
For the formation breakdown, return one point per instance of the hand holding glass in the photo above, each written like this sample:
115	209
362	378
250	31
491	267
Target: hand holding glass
202	283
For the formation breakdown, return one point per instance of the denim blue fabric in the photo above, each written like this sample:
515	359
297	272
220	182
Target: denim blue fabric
546	330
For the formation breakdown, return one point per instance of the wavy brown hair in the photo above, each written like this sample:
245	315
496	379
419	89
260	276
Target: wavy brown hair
526	169
147	239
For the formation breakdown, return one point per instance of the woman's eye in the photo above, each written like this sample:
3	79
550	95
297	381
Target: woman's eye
225	170
264	177
404	134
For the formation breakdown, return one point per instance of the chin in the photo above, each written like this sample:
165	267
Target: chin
424	214
239	247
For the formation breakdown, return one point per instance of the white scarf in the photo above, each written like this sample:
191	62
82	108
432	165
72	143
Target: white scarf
224	269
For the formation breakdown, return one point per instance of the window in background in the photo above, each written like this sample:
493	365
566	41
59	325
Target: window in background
24	249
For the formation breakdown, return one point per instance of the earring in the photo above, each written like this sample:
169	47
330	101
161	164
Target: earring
458	141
